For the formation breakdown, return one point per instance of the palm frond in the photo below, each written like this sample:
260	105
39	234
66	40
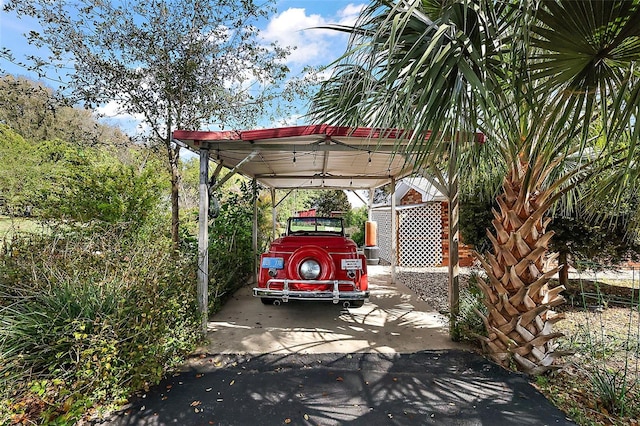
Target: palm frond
412	71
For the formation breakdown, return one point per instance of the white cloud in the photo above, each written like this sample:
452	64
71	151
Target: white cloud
350	13
293	28
113	113
111	109
313	46
324	74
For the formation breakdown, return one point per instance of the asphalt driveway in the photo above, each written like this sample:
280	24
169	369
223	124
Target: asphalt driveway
390	362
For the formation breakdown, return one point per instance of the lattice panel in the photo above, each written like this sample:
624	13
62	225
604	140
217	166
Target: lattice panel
383	219
420	236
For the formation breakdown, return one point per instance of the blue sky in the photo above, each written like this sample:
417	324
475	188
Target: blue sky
292	25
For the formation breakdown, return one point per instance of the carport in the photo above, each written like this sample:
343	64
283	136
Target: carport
315	157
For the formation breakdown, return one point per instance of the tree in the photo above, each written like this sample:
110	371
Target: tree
598	235
189	184
596	240
178	64
17	164
532	77
61	180
596	245
293	202
38	113
356	219
327	202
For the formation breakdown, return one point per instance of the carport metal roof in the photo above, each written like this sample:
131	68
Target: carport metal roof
312	156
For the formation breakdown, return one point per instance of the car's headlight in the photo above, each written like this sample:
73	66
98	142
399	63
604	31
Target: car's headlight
310	269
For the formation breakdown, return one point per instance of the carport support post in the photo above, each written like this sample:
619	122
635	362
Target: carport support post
254	243
203	240
274	214
394	231
454	231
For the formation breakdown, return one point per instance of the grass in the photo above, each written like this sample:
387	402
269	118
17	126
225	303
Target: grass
624	283
9	226
600	382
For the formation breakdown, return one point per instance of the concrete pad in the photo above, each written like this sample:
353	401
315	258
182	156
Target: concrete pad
393	321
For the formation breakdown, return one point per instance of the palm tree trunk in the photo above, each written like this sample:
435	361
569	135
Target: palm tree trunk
516	290
563	261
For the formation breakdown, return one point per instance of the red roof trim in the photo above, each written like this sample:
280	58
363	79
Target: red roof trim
206	136
284	132
294	131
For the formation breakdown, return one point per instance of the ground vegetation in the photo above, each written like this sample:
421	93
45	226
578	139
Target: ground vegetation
96	302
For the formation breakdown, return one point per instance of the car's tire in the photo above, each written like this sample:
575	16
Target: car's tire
356	303
267	301
327	267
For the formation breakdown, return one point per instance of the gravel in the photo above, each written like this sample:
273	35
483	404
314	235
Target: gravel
431	284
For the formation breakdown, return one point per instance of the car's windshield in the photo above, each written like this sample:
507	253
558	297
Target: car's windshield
316	224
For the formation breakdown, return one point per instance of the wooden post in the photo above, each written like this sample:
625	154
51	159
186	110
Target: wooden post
203	240
454	237
255	231
394	232
274	215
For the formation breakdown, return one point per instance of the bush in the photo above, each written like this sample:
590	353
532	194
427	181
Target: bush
356	219
231	258
468	324
101	304
89	316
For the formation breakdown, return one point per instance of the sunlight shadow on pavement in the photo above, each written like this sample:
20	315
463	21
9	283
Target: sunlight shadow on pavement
388	362
393	321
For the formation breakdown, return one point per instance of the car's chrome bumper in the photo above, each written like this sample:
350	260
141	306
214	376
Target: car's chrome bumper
335	295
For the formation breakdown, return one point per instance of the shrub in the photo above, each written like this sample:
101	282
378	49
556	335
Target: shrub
231	258
356	219
89	316
468	324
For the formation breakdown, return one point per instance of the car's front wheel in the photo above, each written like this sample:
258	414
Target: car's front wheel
356	303
267	301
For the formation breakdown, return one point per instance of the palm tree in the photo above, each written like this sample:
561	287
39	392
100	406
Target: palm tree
533	76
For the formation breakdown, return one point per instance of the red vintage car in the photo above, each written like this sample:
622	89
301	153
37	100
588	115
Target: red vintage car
315	260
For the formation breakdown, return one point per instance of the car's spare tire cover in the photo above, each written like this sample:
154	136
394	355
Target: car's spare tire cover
320	255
